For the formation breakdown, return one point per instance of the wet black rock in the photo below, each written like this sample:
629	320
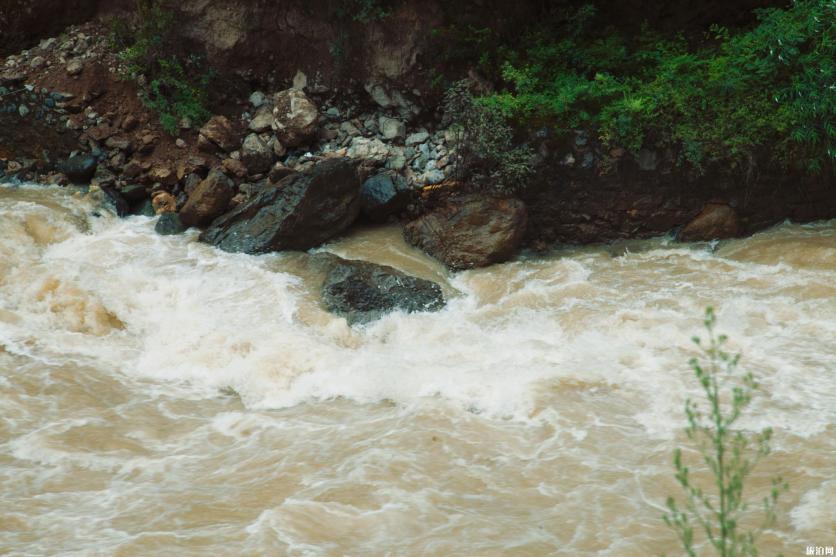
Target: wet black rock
384	195
79	169
363	292
134	193
169	224
301	212
144	208
119	203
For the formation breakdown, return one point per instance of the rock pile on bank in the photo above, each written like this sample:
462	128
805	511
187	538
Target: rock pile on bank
287	128
252	175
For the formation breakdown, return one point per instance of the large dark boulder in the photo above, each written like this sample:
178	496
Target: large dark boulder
209	200
471	231
301	212
80	169
384	195
363	292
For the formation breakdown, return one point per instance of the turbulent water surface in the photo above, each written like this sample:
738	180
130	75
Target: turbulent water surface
159	397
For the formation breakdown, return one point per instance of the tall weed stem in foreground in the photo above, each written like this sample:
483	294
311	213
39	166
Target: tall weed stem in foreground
716	507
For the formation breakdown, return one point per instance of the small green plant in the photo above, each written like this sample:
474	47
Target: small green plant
718	508
173	85
484	147
175	97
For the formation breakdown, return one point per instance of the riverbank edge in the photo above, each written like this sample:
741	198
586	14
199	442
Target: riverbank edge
66	98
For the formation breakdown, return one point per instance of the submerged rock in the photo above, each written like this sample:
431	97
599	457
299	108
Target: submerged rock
301	212
119	203
144	208
363	292
469	232
80	169
716	221
169	224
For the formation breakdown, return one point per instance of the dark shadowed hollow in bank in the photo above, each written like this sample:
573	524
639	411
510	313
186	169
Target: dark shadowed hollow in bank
389	277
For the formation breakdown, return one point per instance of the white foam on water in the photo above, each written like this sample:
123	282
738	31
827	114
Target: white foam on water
816	510
546	394
172	308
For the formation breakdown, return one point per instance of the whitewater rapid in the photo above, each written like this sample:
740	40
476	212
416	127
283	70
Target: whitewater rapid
161	396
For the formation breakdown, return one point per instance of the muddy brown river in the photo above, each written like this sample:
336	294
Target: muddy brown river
161	397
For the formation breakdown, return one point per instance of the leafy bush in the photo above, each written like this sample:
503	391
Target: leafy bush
717	509
733	97
485	151
175	97
173	85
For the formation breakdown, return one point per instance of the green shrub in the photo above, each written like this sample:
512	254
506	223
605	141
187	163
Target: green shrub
736	95
716	508
484	147
176	97
173	85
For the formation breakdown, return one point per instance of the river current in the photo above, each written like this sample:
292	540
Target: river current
161	397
